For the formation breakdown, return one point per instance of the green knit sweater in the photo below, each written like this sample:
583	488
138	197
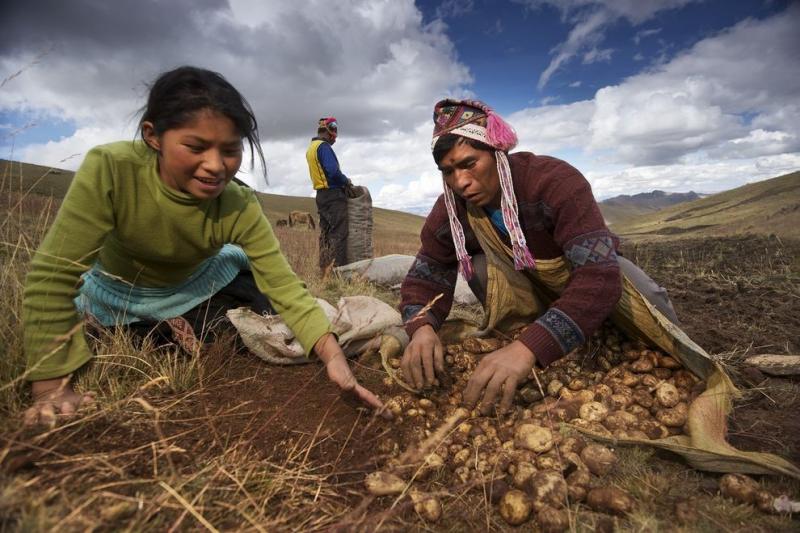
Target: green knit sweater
118	211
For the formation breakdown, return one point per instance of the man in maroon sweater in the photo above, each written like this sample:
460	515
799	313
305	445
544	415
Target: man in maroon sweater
540	207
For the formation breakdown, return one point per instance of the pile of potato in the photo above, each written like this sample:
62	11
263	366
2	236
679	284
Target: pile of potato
525	460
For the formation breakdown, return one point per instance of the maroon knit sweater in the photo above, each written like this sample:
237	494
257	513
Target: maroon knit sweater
559	216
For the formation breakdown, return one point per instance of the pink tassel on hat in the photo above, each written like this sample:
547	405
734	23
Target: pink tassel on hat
500	133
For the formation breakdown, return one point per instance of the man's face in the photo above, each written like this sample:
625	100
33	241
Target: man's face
472	174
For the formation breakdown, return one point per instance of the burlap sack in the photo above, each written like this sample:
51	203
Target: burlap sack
359	224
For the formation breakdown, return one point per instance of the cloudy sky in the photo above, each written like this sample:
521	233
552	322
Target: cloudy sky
675	95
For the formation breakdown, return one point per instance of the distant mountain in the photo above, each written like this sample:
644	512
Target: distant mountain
621	209
765	207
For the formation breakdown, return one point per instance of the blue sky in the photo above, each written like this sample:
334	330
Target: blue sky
639	95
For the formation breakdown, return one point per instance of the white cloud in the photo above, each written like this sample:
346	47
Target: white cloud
596	54
363	61
589	19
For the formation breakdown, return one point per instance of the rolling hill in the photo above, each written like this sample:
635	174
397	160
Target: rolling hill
624	208
769	207
766	207
48	181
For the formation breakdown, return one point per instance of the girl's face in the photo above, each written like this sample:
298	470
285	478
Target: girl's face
199	157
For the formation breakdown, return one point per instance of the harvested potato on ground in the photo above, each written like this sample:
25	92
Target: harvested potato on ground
478	345
523	472
532	437
739	487
548	488
765	502
674	417
610	500
515	507
598	459
384	483
552	520
593	412
667	395
427	506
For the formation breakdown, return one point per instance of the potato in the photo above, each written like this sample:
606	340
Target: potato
598	459
552	520
662	373
548	488
530	395
476	345
426	404
548	462
523	472
554	387
593	412
675	417
665	361
638	411
649	381
667	395
765	502
427	506
653	430
572	444
454	349
601	390
384	483
642	365
684	379
577	384
642	397
619	401
629	379
578	485
515	507
610	500
461	456
739	487
534	438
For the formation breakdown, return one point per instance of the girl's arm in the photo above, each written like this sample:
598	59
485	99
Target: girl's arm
53	337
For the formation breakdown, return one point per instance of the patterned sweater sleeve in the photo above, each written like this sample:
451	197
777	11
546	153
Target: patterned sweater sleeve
595	284
433	273
53	337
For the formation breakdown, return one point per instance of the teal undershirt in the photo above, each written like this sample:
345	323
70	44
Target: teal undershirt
496	216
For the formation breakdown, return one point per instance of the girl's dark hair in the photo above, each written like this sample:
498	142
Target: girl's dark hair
447	141
178	94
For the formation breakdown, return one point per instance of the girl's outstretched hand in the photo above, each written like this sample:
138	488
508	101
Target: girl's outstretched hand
54	398
331	354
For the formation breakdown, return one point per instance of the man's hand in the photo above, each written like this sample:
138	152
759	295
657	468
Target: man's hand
54	397
423	357
501	370
331	354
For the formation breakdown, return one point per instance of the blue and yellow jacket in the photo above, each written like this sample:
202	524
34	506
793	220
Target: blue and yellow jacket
323	166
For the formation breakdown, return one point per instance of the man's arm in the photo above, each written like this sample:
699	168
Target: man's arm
595	283
330	164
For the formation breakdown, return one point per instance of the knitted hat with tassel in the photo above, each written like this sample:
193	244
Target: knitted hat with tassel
476	120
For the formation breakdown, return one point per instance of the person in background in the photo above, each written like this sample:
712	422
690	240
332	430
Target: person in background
158	234
330	183
527	234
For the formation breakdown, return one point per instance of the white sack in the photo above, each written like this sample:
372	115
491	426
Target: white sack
359	321
391	269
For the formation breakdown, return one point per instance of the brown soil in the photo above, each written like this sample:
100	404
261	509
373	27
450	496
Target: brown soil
735	297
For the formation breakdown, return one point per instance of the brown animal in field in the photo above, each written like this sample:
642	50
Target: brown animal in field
282	223
301	218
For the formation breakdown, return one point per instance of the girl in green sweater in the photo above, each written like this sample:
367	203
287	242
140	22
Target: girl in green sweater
163	236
